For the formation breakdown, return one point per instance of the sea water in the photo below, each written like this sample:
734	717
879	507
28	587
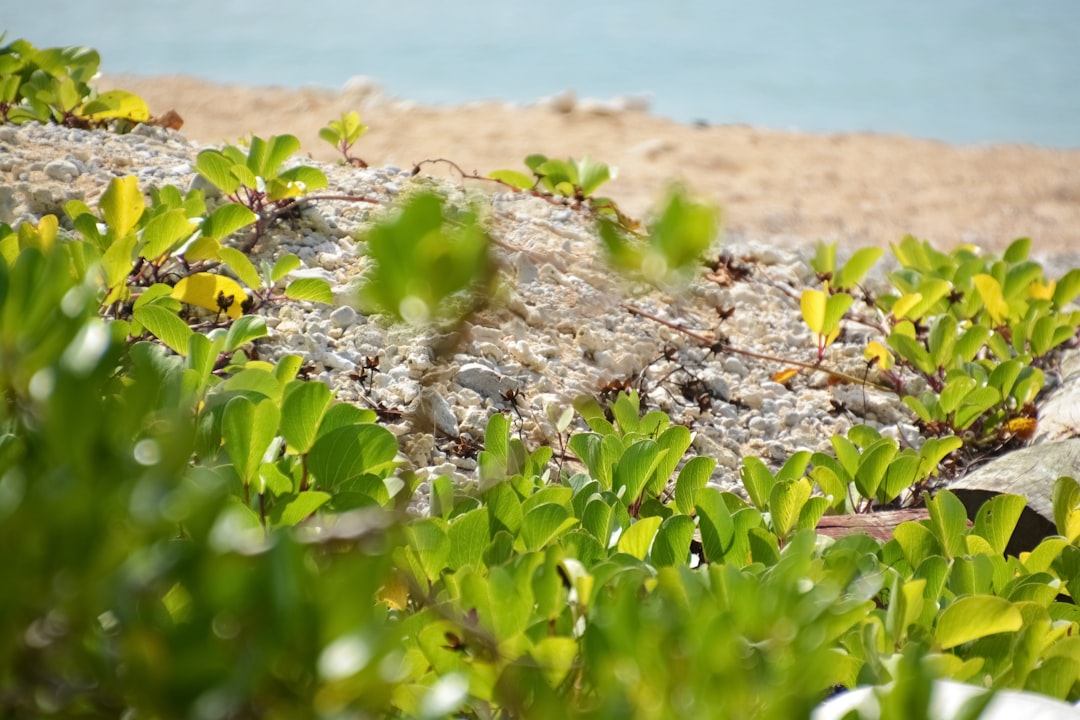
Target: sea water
964	71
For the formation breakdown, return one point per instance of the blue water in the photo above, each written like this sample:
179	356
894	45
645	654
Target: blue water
965	71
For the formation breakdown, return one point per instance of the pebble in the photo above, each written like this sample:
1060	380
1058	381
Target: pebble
343	317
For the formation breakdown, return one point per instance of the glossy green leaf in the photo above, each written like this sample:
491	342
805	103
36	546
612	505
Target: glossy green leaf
163	232
1066	502
786	501
716	524
243	330
226	220
165	325
348	452
310	289
469	535
298	508
247	430
284	265
856	268
514	178
302	410
997	518
544	523
672	543
757	480
216	168
239	263
948	519
637	539
692	478
974	617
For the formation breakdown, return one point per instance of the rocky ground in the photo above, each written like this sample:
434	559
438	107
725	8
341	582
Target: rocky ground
558	327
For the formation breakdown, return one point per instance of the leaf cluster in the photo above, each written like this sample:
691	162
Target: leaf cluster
964	333
53	85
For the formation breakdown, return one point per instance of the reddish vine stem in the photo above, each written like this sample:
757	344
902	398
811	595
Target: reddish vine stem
719	347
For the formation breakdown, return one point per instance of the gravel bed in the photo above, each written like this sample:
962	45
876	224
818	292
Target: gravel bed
556	328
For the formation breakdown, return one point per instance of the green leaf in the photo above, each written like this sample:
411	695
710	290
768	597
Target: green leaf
1067	288
692	478
239	263
997	518
872	466
555	658
902	473
917	542
310	289
1017	251
975	404
247	430
1066	501
302	409
948	518
226	220
634	468
165	231
469	536
757	480
349	452
244	330
428	539
298	508
716	524
786	501
165	325
856	267
513	178
974	617
216	168
544	523
637	539
672	543
284	265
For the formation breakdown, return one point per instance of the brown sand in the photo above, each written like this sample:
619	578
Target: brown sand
782	186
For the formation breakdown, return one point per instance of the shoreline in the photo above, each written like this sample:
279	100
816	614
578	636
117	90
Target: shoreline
781	186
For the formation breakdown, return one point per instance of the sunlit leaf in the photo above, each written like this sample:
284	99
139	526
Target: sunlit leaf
974	617
211	291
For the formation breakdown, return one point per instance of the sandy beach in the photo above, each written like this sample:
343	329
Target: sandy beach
785	187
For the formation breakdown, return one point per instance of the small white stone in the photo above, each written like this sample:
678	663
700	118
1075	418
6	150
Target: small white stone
343	317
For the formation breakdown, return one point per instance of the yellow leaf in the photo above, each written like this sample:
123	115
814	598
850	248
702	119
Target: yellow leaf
211	292
813	310
47	231
1039	291
395	593
992	297
784	376
878	354
902	306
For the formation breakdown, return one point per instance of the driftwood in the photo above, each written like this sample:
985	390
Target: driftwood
878	525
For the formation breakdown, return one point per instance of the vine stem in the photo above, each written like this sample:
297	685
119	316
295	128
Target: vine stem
720	347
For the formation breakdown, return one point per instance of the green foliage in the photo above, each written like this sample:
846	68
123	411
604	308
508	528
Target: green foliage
256	179
195	533
972	328
342	134
676	241
428	260
53	85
